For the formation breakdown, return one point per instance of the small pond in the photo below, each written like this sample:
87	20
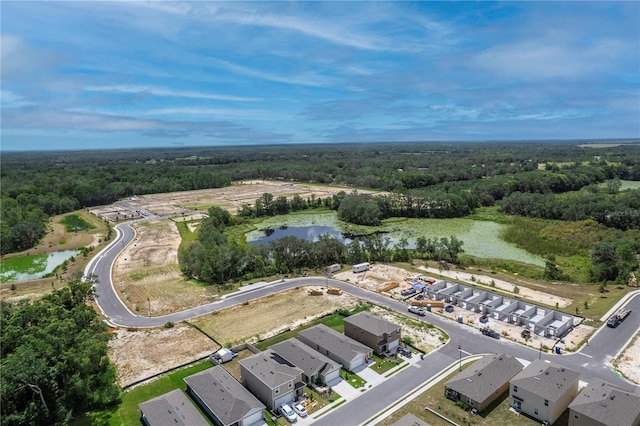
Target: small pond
481	238
32	267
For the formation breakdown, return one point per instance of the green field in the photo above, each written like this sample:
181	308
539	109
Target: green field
74	223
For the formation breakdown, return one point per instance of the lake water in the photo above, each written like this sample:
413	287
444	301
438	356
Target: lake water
32	267
480	238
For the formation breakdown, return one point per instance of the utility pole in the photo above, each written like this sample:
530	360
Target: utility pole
460	357
149	300
540	357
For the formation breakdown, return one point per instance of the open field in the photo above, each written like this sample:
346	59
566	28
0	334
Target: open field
266	317
232	198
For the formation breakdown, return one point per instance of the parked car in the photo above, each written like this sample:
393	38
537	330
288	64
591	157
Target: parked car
491	333
448	308
300	410
288	413
416	310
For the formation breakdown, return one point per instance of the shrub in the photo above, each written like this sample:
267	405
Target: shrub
169	324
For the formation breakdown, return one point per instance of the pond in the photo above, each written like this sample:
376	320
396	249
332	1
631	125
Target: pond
480	238
32	267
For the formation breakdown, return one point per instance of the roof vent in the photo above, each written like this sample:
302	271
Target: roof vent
612	397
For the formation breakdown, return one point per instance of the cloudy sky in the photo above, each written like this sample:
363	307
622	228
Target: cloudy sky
88	74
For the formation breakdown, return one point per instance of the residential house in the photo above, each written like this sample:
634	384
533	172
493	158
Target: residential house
316	368
602	404
543	390
377	333
223	398
340	348
171	408
484	381
272	379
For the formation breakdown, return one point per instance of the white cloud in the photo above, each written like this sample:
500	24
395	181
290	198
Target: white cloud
160	91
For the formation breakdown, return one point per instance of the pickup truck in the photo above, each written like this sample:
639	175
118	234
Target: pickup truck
417	311
618	317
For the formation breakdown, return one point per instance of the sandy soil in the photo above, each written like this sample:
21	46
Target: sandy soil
190	203
484	280
425	340
629	361
140	354
147	275
269	316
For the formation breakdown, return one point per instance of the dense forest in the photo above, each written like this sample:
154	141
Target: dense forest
425	179
54	358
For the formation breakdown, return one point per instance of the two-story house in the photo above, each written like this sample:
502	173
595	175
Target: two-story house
316	368
377	333
601	404
350	354
272	379
543	390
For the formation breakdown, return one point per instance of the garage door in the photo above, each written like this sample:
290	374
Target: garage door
393	345
357	363
286	399
332	376
252	419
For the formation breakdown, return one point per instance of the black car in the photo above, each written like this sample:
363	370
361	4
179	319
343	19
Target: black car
491	333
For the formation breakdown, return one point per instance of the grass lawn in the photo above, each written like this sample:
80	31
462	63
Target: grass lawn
385	364
127	413
320	401
74	222
353	379
497	414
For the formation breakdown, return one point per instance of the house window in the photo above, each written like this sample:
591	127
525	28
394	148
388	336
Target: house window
469	401
515	389
546	402
576	415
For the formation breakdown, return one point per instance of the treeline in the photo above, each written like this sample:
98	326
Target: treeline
454	178
54	358
217	259
621	210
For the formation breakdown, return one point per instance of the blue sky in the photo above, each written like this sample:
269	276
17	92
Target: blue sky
87	74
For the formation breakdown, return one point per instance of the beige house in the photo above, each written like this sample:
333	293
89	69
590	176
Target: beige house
223	398
602	404
543	390
377	333
483	382
350	354
316	368
272	379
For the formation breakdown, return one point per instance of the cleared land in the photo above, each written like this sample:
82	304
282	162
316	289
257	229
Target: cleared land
629	361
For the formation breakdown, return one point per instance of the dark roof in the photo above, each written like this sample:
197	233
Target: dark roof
225	397
271	369
485	376
302	356
172	408
342	346
607	404
545	379
371	323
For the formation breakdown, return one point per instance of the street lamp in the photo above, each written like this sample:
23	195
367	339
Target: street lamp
460	357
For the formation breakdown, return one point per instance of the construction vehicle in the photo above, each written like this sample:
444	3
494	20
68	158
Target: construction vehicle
618	317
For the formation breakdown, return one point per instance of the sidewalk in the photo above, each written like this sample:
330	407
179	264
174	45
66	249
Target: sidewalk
348	392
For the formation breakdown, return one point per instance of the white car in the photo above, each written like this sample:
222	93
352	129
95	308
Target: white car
288	413
299	409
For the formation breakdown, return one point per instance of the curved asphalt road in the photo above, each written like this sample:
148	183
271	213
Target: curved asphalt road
592	361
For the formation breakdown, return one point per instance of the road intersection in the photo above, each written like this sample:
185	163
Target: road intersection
592	361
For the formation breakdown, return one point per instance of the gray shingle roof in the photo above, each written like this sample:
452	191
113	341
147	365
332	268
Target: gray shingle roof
545	379
223	395
344	347
172	408
271	369
485	376
302	356
607	404
371	323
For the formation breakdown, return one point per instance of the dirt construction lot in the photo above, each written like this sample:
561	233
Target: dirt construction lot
231	198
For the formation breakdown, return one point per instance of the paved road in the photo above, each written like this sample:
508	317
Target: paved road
592	361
